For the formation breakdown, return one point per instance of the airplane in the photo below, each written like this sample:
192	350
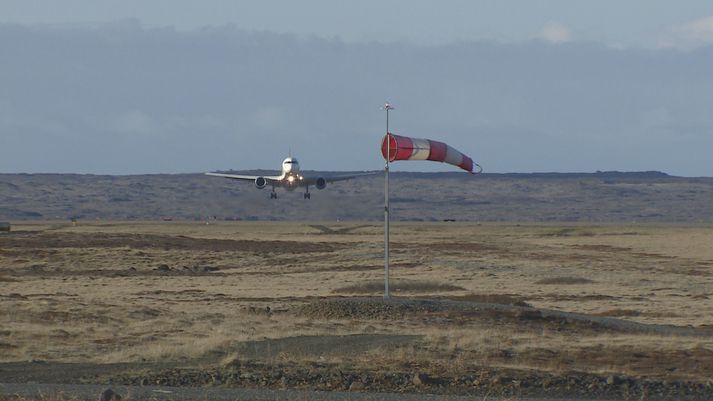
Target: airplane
290	179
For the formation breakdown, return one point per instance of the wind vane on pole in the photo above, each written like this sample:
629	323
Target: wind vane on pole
398	147
387	107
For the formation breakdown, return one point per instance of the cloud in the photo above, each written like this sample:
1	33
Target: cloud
689	35
165	101
136	122
554	32
269	118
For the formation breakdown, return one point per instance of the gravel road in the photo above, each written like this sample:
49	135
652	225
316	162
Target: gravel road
134	393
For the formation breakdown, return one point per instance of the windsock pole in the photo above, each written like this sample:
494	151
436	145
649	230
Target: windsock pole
387	107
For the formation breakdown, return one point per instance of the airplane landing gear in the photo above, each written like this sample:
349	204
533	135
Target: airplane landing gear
273	194
307	194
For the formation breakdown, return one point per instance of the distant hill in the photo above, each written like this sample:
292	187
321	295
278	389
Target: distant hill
596	197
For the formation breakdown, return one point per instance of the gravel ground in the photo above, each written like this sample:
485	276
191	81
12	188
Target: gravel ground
92	392
395	308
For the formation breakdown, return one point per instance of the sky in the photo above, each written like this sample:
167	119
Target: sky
127	87
642	23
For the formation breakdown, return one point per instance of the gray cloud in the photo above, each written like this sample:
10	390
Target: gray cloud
121	98
689	35
555	32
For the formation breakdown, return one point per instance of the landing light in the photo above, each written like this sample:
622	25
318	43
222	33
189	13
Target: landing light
290	178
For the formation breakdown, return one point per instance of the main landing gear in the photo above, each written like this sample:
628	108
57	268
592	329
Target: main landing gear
307	194
273	194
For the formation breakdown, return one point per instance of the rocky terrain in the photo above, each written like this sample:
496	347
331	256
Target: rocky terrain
596	197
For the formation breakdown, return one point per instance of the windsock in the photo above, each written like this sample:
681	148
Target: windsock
396	147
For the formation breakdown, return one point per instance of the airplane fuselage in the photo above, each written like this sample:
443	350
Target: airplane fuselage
291	178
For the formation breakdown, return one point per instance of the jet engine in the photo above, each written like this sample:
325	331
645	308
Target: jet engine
260	182
320	183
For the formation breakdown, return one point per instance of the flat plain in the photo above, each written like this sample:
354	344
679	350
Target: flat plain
533	309
636	197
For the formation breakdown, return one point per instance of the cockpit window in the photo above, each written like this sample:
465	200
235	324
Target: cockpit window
291	161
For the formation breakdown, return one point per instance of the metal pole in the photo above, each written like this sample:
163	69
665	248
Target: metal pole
386	205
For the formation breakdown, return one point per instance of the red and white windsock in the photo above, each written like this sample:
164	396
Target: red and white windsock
396	147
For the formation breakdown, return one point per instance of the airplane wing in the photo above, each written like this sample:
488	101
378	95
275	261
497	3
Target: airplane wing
335	178
244	177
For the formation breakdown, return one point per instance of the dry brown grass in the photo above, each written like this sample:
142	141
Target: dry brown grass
564	281
110	304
